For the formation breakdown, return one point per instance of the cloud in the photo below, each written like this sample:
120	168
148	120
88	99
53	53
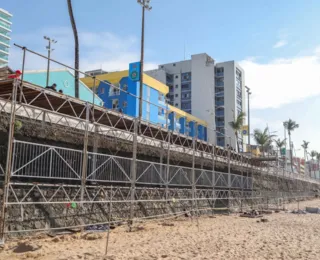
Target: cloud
97	50
280	43
283	81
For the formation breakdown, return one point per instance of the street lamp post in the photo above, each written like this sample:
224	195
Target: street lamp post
49	54
249	93
145	5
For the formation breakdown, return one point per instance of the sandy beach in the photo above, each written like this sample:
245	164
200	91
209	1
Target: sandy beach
283	236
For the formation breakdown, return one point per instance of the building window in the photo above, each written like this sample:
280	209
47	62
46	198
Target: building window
176	76
174	64
124	104
160	111
177	86
186	86
186	76
170	88
102	90
125	87
176	95
115	104
219	70
161	66
176	104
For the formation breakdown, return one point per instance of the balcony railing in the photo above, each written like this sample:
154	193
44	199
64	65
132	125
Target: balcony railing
219	113
4	56
219	83
219	123
219	103
219	74
4	39
5	25
4	48
5	17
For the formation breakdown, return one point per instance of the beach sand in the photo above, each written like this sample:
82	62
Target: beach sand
284	236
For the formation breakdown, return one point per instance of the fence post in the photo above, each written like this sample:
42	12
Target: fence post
133	174
7	175
85	154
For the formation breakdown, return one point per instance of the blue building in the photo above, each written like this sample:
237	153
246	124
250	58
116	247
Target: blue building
154	105
65	81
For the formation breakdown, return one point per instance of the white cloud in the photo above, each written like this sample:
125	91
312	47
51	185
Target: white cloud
97	50
280	43
282	81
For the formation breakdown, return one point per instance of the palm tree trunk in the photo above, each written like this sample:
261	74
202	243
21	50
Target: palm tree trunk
76	49
290	147
236	134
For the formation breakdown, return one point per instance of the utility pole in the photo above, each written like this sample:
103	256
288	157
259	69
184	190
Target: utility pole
145	5
48	47
249	93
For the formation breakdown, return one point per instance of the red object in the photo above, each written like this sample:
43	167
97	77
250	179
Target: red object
16	75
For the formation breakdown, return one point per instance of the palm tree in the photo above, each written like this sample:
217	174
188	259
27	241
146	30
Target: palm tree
263	138
237	126
318	159
313	154
76	48
280	143
290	125
305	145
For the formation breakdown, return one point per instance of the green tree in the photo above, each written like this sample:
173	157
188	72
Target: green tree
263	138
280	143
313	154
290	125
76	48
305	145
237	126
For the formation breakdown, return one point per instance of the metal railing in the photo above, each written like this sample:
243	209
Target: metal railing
32	160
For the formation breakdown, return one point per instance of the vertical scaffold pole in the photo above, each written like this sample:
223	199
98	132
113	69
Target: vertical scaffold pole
168	157
193	173
242	181
213	178
85	154
168	167
7	176
133	175
229	176
23	64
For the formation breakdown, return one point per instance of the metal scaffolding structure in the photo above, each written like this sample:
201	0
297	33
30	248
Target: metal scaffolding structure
71	151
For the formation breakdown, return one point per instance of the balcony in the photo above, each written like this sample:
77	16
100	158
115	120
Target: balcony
220	123
220	113
4	56
5	17
219	74
5	25
220	94
4	32
219	83
4	49
5	39
219	103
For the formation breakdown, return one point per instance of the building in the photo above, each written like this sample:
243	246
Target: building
95	72
65	81
5	30
155	109
211	91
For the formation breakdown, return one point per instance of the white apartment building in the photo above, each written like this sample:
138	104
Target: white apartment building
211	91
5	37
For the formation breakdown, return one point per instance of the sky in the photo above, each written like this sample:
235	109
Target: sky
276	43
